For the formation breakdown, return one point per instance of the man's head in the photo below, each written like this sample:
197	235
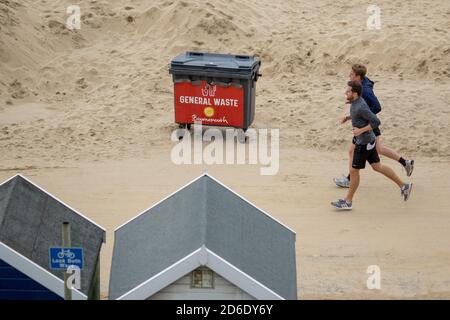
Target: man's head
358	72
353	91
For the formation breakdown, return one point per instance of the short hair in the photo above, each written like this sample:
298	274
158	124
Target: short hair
359	70
356	87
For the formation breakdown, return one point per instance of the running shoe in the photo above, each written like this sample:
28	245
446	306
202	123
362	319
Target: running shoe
409	167
342	182
406	191
342	204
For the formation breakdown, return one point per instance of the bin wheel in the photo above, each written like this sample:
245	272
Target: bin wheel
184	126
181	131
242	138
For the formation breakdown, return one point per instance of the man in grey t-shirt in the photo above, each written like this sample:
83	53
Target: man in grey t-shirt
363	122
359	73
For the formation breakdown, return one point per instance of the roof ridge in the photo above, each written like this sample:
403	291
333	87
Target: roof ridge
63	203
204	208
250	203
160	201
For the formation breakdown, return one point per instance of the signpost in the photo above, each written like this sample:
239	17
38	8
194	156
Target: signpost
66	258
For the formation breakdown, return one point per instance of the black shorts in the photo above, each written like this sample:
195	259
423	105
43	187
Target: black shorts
376	131
363	153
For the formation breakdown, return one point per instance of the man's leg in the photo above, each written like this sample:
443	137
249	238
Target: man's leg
344	181
374	161
358	162
351	150
388	152
354	183
405	188
388	172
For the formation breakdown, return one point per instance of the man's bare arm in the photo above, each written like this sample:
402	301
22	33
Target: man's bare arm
346	118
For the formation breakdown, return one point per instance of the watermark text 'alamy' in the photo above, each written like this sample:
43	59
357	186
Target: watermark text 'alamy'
226	150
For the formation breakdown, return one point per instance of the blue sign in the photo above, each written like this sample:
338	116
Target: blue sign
62	258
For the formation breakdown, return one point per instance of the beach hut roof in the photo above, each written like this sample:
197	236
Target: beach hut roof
30	223
204	224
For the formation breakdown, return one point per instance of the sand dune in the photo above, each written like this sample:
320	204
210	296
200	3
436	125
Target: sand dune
108	83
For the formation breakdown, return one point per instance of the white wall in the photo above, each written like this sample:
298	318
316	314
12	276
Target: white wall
181	290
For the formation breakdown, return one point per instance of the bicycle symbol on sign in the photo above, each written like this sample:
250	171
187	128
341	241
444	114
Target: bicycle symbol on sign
66	253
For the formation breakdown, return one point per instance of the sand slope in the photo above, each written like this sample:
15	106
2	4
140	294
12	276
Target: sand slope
107	85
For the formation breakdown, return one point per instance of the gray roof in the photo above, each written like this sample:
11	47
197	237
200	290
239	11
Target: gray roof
31	222
204	213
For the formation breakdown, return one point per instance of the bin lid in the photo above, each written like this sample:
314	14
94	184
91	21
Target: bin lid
215	64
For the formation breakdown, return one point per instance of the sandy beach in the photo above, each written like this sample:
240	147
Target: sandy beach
87	114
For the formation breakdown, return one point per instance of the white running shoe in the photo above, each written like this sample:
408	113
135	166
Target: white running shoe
409	167
342	182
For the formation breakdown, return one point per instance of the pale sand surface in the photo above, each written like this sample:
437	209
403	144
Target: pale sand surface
409	241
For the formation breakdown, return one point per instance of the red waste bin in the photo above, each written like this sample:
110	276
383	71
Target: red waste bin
214	89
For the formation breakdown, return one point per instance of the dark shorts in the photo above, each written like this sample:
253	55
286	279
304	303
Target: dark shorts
362	154
376	131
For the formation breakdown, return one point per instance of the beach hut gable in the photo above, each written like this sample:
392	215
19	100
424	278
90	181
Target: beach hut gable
204	224
31	223
22	279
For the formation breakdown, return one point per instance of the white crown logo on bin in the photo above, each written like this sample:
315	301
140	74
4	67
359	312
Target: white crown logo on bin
209	90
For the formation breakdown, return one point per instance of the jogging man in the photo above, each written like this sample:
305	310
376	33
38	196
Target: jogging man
363	122
358	73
